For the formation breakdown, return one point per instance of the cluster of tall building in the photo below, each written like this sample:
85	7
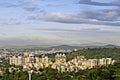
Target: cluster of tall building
22	59
79	63
29	61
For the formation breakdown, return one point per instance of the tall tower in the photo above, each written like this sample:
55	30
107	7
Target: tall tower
30	74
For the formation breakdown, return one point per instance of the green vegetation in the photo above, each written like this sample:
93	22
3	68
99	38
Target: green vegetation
18	75
96	53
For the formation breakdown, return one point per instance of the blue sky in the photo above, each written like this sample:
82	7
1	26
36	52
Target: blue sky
57	22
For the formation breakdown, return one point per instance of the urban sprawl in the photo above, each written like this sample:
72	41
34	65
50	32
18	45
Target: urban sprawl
30	60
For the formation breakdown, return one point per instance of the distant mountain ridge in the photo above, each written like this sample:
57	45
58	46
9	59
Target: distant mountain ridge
112	46
66	47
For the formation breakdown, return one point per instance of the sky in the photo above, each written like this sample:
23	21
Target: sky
59	22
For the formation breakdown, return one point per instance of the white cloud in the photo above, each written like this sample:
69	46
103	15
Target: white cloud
97	17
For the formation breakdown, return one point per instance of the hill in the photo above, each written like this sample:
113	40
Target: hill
65	47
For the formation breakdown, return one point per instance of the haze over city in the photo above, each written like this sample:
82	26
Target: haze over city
58	22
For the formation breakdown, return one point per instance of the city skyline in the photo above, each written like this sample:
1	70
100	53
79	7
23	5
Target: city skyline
56	22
